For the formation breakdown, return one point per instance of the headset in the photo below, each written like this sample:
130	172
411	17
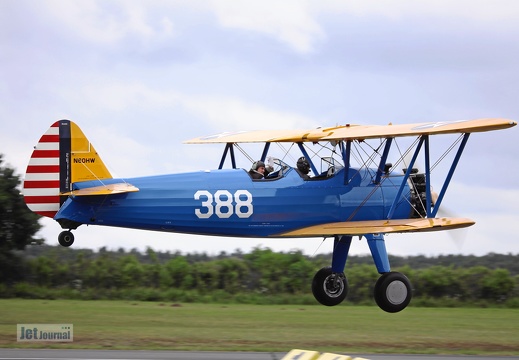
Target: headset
303	165
257	164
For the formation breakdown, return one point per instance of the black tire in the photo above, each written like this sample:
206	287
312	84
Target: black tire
66	238
393	292
329	288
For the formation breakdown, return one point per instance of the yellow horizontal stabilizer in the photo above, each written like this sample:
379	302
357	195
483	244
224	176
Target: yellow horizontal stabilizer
109	189
381	226
357	132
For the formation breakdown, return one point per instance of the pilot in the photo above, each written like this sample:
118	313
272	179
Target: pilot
257	170
303	167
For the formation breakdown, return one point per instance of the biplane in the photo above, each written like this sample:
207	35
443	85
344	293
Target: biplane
353	190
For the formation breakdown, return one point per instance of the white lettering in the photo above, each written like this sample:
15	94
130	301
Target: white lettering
245	203
208	204
224	208
224	204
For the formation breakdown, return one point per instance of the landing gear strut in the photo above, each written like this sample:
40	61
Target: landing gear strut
392	290
66	238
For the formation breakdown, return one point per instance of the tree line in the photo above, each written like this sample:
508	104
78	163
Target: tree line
261	276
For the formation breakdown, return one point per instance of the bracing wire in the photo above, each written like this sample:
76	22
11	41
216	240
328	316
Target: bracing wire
244	152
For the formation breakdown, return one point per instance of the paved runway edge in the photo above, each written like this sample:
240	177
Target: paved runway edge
89	354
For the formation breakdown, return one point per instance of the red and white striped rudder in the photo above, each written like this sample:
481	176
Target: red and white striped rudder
41	187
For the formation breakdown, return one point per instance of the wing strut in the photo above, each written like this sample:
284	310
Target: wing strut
430	210
383	159
449	175
406	176
427	178
346	151
265	151
228	148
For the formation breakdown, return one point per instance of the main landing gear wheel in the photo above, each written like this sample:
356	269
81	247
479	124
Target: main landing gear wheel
329	288
66	238
393	292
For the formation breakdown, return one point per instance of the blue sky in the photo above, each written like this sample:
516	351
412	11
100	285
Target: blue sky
140	77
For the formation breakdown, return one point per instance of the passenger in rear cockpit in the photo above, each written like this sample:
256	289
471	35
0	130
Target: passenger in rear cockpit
303	168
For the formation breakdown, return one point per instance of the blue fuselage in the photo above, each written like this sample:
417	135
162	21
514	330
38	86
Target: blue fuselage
230	203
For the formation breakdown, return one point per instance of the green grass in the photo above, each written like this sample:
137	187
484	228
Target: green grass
343	329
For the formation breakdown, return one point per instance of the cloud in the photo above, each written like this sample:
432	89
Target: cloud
289	21
230	113
108	22
223	112
479	10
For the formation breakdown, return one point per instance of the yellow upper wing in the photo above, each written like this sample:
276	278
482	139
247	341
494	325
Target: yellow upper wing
380	226
357	132
445	127
259	136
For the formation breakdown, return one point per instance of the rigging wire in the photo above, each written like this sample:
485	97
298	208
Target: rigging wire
244	152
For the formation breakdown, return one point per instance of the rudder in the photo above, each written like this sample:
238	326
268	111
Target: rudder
62	157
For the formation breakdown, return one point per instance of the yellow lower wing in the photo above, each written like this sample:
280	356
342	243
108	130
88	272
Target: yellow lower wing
104	190
381	226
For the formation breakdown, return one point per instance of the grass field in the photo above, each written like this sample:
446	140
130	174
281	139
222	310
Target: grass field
343	329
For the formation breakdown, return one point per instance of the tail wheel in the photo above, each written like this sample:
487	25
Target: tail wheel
329	288
393	292
66	238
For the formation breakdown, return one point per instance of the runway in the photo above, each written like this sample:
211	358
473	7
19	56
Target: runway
44	354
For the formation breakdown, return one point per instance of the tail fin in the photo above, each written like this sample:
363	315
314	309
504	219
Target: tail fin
62	157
